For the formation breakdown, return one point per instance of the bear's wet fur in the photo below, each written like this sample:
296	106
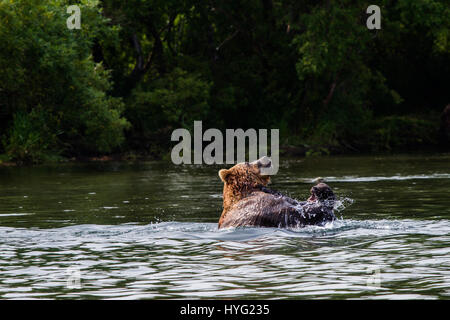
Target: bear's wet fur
248	202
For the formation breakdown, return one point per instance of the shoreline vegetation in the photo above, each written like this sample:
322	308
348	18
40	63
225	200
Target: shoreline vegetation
286	152
392	135
117	87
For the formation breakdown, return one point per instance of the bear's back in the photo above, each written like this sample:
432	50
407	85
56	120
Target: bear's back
272	209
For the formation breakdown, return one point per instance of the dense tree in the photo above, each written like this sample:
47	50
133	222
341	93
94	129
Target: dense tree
311	68
53	97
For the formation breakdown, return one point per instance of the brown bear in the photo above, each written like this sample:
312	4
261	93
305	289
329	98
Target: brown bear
248	202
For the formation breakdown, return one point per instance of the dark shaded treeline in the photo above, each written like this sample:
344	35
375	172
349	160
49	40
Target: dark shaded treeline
136	70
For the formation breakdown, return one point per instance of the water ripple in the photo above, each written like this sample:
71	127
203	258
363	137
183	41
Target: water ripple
195	260
352	178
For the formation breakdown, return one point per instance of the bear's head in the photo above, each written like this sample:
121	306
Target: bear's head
323	194
243	178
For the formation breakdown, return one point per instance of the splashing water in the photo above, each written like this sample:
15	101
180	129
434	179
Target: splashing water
93	232
341	204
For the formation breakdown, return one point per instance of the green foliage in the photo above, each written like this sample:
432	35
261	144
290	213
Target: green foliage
47	65
179	97
173	101
138	69
29	139
397	132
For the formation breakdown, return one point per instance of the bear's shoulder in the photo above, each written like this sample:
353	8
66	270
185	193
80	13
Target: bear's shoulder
262	208
286	198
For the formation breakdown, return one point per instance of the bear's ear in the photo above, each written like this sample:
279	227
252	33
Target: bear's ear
223	174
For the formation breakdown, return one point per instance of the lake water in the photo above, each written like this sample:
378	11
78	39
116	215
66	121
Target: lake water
149	230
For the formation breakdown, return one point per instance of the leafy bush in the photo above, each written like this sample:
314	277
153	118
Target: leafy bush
47	65
29	140
310	68
174	101
402	132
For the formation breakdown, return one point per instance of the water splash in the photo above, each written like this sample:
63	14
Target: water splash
185	259
342	203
